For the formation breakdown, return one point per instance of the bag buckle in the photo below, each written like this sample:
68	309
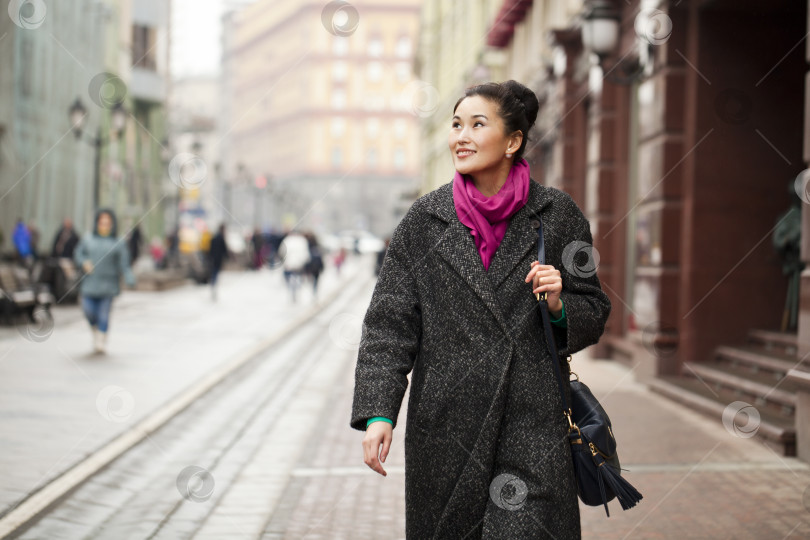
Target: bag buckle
572	426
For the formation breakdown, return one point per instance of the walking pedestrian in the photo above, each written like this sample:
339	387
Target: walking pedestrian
485	441
217	255
294	251
315	264
64	244
104	258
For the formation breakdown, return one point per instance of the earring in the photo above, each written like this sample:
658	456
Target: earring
508	155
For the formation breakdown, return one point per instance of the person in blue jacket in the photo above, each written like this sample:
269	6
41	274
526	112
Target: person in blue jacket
104	259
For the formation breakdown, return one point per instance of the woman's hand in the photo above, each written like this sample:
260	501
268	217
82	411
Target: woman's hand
378	433
87	266
545	277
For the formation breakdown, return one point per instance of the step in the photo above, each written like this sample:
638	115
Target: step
773	339
776	431
759	386
757	358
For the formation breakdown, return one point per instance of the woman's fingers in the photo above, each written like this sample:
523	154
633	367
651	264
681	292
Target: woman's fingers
377	435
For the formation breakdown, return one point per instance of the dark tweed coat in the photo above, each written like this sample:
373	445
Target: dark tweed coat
485	448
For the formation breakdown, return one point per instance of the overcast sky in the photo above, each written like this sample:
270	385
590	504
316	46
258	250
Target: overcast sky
196	35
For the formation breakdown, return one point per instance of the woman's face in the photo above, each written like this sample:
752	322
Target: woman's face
477	139
104	224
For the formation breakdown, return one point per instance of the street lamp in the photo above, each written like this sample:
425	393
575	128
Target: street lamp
78	118
600	35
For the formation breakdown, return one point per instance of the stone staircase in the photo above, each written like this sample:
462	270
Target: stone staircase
753	373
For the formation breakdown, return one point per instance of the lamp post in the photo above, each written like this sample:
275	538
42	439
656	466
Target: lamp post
600	35
78	117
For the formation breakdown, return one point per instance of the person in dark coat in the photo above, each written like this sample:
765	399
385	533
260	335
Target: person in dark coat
217	254
134	244
486	454
65	241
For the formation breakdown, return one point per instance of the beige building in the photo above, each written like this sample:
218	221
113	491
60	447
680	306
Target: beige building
320	104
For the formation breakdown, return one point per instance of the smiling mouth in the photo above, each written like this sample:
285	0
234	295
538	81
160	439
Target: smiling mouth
464	153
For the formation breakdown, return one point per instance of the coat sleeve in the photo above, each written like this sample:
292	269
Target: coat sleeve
390	337
123	264
587	307
80	253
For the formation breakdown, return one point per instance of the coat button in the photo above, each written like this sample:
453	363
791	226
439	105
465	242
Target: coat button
534	223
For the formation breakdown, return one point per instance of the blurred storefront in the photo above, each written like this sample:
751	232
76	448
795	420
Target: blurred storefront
678	127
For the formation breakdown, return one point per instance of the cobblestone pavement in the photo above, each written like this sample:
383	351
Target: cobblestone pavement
283	463
59	402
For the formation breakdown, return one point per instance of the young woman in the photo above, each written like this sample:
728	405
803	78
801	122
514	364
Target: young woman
486	454
104	259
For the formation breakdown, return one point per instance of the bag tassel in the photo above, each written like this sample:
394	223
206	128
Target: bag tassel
602	491
628	495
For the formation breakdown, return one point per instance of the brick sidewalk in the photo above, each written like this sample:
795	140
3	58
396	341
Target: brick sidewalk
59	402
698	480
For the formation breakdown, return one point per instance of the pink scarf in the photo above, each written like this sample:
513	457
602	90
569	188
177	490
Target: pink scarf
488	217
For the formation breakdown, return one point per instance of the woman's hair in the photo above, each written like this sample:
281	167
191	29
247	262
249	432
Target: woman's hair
517	106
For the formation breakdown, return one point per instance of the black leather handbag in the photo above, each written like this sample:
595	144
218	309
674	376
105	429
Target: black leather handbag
590	433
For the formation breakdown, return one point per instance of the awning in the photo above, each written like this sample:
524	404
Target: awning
503	27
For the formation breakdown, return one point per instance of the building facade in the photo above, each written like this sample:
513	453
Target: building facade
318	123
53	55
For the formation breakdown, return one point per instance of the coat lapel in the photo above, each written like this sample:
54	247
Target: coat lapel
457	246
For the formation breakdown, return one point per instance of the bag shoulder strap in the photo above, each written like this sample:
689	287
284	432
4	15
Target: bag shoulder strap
552	345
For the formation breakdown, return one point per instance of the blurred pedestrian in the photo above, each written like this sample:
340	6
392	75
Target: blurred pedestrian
65	241
33	231
294	251
339	259
134	244
381	257
21	237
315	264
485	424
257	243
216	256
105	259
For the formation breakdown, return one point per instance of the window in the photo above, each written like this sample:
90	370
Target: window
399	158
375	47
339	71
374	71
340	46
371	158
338	99
143	47
403	71
337	157
400	128
372	127
338	127
403	48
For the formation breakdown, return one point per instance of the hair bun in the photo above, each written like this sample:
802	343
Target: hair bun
525	96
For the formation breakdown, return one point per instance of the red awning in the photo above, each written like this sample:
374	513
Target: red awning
503	27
